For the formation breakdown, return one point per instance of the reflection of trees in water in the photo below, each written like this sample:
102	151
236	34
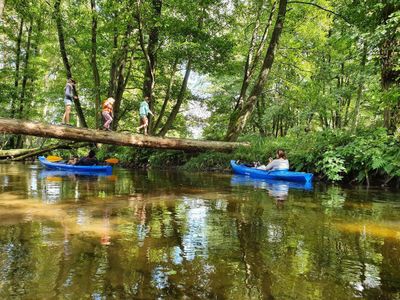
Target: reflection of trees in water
198	241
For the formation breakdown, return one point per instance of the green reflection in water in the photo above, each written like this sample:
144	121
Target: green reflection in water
178	235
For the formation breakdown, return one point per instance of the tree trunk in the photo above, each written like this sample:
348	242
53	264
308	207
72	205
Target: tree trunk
150	53
95	69
12	140
19	141
25	72
2	4
64	56
253	55
4	154
251	62
241	118
167	96
360	88
122	76
113	69
35	153
390	73
179	100
96	136
17	65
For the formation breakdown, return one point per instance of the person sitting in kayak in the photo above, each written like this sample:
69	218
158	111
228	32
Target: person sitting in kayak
72	161
89	160
280	163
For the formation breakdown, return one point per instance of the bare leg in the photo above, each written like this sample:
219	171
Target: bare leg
144	123
67	112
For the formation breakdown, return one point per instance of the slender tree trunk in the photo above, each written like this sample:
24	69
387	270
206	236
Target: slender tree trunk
64	56
390	73
122	75
167	95
252	58
260	109
19	141
150	53
25	72
2	4
360	87
237	126
12	140
171	118
17	66
113	69
95	69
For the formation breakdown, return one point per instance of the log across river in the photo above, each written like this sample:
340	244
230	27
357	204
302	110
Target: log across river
13	126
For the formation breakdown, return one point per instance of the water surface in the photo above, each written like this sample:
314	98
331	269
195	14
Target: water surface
171	235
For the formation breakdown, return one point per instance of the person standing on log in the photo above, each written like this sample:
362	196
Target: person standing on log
144	110
68	98
107	113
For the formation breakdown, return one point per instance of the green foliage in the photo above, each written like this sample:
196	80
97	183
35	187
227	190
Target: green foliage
168	158
335	155
208	161
332	166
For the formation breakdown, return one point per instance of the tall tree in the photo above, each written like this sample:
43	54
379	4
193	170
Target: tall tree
64	56
179	100
241	117
95	69
150	51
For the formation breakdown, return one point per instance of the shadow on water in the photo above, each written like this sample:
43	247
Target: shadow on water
174	235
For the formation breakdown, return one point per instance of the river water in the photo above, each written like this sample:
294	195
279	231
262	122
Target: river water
173	235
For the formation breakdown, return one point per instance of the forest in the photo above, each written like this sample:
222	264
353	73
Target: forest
319	79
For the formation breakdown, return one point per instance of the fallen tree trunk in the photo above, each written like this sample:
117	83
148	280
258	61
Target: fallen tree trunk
50	148
21	154
15	152
115	138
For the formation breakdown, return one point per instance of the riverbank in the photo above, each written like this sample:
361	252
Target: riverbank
370	157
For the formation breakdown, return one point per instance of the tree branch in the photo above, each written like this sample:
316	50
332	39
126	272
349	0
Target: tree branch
322	8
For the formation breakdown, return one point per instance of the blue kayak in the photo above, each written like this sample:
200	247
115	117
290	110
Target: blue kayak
275	175
62	173
269	184
72	168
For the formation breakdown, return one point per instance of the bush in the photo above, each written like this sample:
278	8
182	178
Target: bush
208	161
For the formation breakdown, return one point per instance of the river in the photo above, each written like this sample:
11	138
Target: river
179	235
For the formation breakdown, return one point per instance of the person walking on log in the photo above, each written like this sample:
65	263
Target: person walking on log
69	96
107	113
144	110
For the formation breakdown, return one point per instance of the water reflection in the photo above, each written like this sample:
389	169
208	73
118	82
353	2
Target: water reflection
155	235
277	189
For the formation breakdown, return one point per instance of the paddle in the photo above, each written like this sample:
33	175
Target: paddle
53	158
112	160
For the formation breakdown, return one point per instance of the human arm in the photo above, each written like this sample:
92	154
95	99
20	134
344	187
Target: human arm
69	92
272	164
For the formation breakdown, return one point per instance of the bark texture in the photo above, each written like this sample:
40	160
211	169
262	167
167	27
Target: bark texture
97	136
